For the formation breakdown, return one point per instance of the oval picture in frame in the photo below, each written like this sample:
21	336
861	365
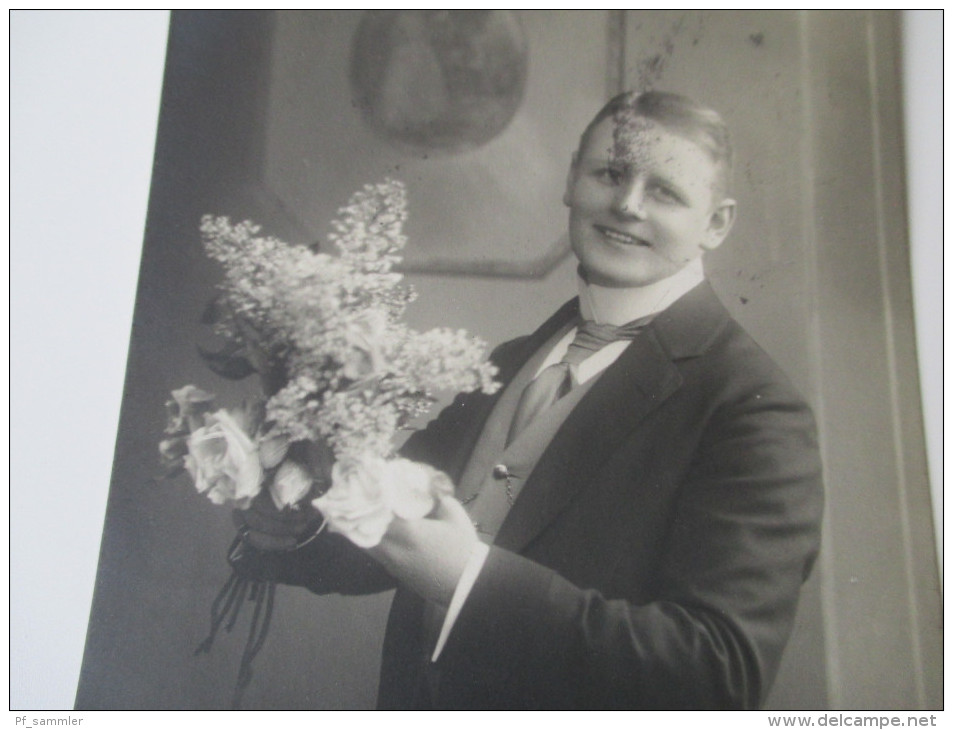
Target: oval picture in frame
438	81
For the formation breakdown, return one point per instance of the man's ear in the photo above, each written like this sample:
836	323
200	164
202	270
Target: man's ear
720	223
570	179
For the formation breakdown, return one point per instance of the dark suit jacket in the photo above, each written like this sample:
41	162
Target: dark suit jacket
655	555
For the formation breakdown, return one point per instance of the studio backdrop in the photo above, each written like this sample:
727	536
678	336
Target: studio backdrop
279	116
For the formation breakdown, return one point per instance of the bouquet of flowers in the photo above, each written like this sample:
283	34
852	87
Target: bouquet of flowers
340	372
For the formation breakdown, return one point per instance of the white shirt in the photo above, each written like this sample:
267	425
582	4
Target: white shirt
605	305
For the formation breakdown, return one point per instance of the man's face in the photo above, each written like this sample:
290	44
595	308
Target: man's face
641	203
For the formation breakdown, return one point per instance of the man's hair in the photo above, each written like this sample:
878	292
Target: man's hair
679	115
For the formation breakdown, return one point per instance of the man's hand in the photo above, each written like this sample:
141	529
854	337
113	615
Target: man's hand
429	555
268	528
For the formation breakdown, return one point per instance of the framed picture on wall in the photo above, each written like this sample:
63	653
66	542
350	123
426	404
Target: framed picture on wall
459	105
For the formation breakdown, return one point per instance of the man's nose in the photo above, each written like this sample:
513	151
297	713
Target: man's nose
630	199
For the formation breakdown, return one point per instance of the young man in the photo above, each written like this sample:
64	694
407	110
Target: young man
646	514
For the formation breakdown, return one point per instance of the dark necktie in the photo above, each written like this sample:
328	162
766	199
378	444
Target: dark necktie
557	379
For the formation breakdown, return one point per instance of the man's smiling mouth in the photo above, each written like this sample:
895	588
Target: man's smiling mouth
619	237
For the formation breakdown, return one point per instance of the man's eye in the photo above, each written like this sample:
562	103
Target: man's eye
612	175
664	194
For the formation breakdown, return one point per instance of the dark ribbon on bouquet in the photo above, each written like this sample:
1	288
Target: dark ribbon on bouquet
225	610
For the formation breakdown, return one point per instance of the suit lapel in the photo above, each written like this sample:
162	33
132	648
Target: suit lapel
511	361
623	396
643	377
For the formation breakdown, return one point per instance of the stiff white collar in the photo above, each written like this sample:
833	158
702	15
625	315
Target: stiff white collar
606	305
618	306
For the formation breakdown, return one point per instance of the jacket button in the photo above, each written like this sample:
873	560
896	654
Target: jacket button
500	471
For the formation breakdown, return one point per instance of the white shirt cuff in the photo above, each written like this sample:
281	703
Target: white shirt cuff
470	572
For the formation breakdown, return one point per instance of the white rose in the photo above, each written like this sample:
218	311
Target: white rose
223	460
272	449
354	505
186	409
291	484
367	494
409	488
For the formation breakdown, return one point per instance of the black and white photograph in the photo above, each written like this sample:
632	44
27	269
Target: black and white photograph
519	360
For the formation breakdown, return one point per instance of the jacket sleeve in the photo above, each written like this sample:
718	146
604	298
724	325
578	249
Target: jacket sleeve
328	564
743	538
